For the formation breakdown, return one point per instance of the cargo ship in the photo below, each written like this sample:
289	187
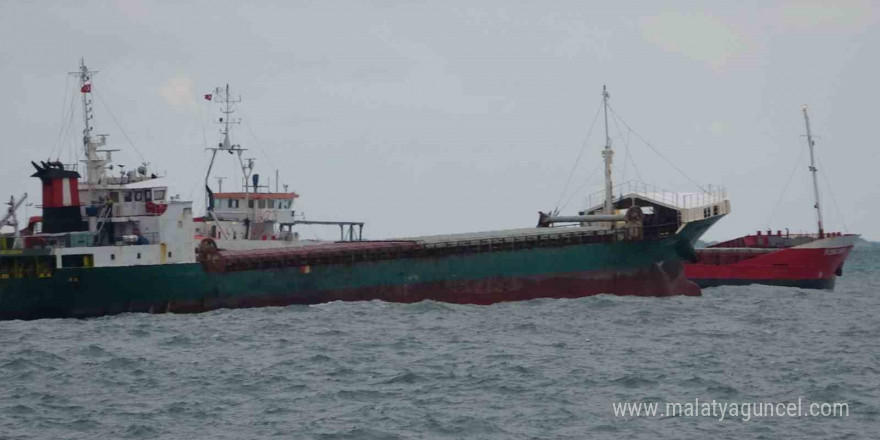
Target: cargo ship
810	261
113	244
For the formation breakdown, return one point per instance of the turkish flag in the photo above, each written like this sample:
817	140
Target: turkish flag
86	88
209	96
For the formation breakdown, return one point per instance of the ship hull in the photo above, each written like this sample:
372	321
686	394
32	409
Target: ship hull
815	265
645	268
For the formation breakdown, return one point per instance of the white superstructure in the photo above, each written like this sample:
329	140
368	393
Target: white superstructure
109	217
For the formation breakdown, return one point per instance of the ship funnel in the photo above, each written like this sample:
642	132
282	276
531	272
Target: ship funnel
61	210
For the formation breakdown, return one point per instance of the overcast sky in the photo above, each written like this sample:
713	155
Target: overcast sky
457	116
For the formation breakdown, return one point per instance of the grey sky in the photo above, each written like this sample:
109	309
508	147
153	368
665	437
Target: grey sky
455	116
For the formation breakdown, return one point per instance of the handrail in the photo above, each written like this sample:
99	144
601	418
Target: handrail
715	194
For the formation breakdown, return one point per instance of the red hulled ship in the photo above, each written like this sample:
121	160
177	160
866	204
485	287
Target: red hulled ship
812	261
802	260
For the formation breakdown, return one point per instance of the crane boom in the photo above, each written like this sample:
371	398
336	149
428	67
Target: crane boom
10	213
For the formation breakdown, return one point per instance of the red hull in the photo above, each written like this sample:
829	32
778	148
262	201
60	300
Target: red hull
814	264
659	281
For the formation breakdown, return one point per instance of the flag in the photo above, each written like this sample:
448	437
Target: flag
209	96
86	88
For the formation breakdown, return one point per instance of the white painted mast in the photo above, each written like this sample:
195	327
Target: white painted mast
814	170
608	153
94	163
222	96
246	164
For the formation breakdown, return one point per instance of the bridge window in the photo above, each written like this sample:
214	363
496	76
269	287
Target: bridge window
114	196
159	194
262	204
251	203
138	196
148	195
233	203
126	196
270	204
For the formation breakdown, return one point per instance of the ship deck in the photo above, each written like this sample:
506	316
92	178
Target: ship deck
414	247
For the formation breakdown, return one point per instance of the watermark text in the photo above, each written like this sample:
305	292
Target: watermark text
744	411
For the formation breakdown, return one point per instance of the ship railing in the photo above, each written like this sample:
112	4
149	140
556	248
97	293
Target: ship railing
712	195
68	240
50	241
782	233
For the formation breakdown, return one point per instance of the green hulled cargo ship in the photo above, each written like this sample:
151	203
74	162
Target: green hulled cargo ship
115	244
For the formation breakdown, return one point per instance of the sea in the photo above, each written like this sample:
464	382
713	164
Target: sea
543	369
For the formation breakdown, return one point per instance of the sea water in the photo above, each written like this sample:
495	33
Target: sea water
534	369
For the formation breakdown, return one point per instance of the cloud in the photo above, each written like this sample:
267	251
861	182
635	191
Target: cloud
698	36
132	8
810	15
179	91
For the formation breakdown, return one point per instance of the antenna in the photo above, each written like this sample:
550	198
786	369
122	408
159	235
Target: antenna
223	97
220	183
814	170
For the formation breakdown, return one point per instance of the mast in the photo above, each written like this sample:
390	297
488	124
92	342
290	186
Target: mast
85	87
608	153
814	170
224	97
94	163
227	111
226	121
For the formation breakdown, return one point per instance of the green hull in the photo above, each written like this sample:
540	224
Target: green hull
650	267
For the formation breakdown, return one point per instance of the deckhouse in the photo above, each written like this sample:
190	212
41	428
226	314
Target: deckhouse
100	219
255	217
